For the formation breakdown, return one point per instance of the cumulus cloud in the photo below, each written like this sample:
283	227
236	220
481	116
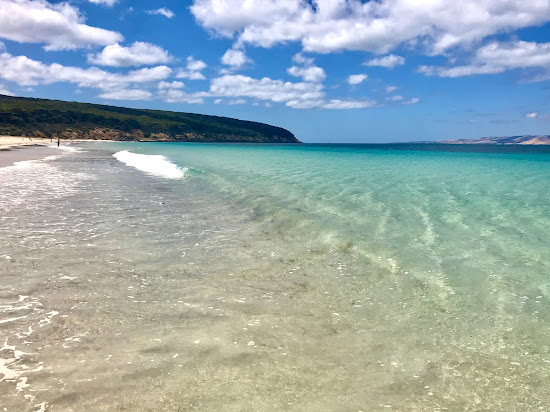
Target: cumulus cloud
264	89
28	72
171	92
401	100
162	12
327	26
108	3
5	91
127	94
389	61
170	85
179	96
59	26
132	85
354	79
235	58
309	74
300	95
498	57
307	69
193	71
391	89
138	54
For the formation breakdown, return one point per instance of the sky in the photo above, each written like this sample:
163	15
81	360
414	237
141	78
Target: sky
346	71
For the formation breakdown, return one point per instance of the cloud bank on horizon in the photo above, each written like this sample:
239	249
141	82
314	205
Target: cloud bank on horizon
297	54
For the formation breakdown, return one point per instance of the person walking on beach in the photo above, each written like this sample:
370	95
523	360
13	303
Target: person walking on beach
58	142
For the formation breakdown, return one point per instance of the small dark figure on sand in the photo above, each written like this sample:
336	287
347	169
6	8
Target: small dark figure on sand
58	142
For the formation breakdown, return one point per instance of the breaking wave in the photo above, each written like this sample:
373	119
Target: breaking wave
156	165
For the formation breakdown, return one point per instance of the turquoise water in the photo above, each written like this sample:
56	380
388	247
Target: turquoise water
466	216
299	277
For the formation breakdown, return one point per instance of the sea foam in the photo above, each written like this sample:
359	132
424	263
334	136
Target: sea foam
156	165
66	148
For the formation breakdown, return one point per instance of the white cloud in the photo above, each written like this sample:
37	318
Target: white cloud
301	59
296	95
162	12
193	70
236	101
59	26
138	54
389	61
127	94
171	92
307	69
536	115
28	72
185	74
327	26
401	100
195	65
108	3
354	79
396	98
5	91
414	100
264	89
170	85
179	96
309	74
333	104
391	89
499	57
235	58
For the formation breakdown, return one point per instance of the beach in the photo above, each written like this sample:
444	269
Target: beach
405	281
15	149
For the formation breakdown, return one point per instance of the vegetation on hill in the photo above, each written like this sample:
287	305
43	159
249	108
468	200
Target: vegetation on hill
52	118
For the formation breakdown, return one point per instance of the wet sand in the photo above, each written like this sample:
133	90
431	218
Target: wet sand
24	153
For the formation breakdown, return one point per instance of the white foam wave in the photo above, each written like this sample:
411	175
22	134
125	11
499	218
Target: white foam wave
156	165
66	148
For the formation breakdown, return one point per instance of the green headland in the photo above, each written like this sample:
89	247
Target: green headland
20	116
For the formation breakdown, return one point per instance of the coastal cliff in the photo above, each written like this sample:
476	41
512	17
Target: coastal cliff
21	116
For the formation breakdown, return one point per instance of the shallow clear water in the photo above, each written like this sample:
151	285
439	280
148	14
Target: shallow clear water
302	277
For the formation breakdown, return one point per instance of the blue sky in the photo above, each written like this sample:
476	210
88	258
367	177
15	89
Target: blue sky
338	70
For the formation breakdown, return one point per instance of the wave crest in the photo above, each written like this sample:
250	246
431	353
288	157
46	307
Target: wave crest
156	165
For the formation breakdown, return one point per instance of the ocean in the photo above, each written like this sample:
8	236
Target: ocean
234	277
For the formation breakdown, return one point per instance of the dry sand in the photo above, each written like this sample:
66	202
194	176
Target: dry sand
11	141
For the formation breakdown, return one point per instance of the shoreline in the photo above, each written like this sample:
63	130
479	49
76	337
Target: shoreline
10	142
11	156
14	149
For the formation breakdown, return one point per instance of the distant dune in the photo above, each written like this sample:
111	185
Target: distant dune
523	140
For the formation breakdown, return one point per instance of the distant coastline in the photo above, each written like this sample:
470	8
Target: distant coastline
538	140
